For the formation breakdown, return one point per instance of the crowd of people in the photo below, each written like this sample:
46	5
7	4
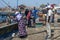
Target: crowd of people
24	19
27	17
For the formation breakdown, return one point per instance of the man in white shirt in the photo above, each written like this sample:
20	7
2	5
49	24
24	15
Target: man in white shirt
49	16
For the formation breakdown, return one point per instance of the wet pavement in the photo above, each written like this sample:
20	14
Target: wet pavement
40	34
34	34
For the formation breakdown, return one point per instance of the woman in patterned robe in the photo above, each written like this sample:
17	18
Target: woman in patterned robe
21	25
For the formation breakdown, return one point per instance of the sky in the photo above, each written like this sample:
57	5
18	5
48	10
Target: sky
13	3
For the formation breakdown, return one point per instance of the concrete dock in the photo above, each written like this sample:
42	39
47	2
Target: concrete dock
40	33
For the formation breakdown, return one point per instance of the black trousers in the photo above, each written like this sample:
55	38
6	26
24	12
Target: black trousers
29	23
49	18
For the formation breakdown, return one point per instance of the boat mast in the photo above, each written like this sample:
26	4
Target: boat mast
17	4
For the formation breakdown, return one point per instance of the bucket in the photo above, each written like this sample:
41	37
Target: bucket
39	24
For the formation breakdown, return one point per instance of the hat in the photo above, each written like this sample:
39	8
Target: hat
48	6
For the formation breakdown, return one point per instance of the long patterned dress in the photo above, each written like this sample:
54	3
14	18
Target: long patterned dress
21	27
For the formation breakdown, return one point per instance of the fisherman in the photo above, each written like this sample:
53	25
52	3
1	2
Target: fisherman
49	14
29	18
44	11
26	13
34	14
48	21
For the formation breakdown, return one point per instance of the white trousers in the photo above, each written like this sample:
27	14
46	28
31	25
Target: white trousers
48	29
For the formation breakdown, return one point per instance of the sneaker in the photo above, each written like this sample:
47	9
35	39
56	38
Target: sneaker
13	35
